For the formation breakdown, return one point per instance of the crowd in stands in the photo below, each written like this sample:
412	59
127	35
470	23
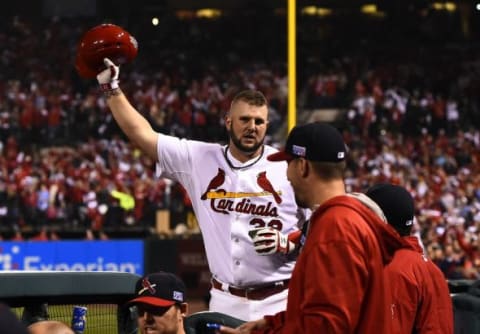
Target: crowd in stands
409	117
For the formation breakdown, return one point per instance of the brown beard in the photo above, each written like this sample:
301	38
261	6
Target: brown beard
238	144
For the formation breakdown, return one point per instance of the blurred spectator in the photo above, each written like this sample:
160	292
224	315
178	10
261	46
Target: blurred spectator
9	323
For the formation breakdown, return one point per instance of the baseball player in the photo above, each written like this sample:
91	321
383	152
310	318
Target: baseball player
234	191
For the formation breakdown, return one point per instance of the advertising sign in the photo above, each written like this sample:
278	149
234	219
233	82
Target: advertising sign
121	256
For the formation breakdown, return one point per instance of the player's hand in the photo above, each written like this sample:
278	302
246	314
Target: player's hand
269	241
108	78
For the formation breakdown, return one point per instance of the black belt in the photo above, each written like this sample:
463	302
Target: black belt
254	293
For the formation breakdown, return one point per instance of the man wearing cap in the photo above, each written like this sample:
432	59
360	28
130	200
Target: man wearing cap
338	283
160	302
421	298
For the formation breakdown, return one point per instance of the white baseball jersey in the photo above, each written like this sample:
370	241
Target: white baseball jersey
228	202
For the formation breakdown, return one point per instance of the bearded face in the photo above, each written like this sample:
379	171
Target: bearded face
248	143
247	126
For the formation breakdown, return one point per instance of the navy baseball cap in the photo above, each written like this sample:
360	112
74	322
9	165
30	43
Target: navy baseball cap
159	289
396	203
317	141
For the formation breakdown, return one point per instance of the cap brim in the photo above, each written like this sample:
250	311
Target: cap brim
154	301
280	156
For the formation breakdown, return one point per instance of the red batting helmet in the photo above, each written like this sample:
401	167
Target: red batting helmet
104	41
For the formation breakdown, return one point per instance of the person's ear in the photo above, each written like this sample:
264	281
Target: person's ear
228	121
184	309
305	167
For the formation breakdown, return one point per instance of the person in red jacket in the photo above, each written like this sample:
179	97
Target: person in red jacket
338	284
422	302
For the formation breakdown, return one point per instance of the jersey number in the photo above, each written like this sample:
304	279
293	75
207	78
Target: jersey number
259	223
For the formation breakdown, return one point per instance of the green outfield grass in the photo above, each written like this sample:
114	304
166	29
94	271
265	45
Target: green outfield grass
101	318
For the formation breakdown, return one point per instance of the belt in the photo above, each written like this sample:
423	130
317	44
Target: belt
254	293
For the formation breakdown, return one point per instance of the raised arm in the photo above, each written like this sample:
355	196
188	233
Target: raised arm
132	123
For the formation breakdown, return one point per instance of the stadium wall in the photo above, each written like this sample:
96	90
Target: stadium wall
185	257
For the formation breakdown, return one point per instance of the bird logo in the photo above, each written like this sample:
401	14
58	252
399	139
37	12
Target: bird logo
265	184
216	182
147	286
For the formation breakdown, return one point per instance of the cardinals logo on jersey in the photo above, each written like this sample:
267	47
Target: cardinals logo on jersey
265	184
216	182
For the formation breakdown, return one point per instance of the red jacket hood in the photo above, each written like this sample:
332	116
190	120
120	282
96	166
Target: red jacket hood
413	243
388	239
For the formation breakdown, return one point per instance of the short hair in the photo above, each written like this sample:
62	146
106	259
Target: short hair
250	96
50	327
329	171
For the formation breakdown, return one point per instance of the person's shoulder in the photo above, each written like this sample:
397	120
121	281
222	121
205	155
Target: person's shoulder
343	203
343	211
191	142
434	270
338	209
207	145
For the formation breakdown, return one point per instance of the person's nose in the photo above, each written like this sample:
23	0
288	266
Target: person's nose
147	316
251	125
